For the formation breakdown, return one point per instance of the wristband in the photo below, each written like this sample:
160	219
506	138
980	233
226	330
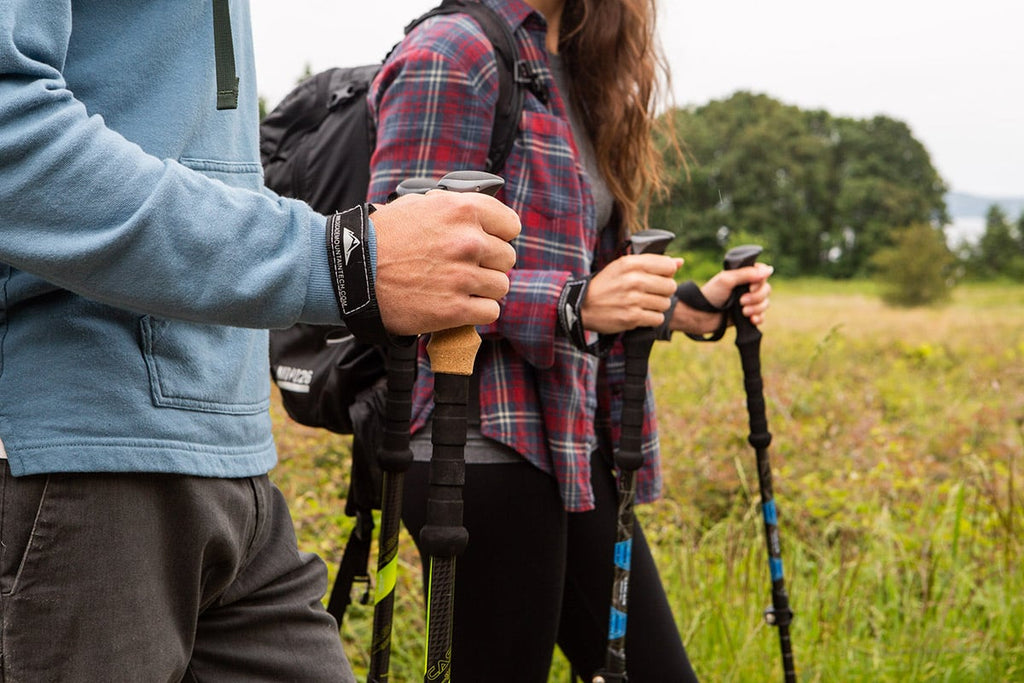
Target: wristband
570	320
351	262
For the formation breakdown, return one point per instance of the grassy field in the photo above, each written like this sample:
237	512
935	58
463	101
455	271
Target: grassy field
898	459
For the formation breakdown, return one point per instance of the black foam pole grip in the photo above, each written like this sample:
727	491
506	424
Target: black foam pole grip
395	455
443	534
741	257
637	345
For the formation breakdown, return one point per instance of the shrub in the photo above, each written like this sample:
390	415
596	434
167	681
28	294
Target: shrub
918	269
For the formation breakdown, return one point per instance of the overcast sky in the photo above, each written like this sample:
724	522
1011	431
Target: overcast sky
953	71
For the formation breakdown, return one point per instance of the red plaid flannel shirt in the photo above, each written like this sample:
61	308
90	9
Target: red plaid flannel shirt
433	104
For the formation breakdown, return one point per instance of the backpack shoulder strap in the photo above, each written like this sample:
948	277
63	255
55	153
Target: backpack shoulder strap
354	567
224	52
512	74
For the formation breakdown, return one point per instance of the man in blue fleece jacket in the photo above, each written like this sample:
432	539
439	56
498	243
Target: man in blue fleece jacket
141	262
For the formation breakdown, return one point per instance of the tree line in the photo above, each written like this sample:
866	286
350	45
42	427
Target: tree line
826	195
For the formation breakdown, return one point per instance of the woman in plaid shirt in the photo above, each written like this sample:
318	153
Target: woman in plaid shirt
540	494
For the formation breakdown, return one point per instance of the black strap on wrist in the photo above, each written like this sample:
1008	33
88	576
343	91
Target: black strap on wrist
570	321
348	255
664	331
689	293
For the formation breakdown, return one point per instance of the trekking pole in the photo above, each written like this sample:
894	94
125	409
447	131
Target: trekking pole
395	458
748	341
452	354
628	459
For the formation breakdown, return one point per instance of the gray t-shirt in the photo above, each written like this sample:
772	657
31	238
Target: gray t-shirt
603	200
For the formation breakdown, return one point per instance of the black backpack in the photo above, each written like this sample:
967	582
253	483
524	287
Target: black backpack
316	146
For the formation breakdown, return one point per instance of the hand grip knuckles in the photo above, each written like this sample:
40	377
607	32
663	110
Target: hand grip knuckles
454	350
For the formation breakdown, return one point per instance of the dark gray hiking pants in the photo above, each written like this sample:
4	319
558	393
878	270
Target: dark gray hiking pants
155	577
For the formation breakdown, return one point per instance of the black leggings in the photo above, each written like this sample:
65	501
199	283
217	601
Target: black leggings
534	575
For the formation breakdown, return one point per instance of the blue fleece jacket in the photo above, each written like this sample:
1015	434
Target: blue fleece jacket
140	259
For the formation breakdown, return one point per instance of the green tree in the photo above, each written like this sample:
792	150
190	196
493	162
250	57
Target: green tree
887	180
755	169
820	193
1000	250
917	268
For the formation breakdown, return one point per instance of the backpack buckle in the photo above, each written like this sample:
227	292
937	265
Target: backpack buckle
346	92
525	74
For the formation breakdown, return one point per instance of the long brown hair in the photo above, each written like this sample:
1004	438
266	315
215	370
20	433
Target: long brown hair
619	77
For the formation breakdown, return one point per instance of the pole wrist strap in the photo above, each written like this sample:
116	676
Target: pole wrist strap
689	293
350	260
570	322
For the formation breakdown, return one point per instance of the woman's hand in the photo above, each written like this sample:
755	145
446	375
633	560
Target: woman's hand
632	291
717	290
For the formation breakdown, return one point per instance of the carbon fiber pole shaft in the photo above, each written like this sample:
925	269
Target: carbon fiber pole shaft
748	341
395	458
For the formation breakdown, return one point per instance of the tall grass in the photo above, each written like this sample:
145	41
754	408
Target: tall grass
898	454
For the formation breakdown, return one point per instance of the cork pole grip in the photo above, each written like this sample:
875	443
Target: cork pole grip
453	351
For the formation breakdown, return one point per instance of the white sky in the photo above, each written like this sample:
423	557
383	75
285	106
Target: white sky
953	71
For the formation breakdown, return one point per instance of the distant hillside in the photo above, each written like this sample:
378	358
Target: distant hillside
963	205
